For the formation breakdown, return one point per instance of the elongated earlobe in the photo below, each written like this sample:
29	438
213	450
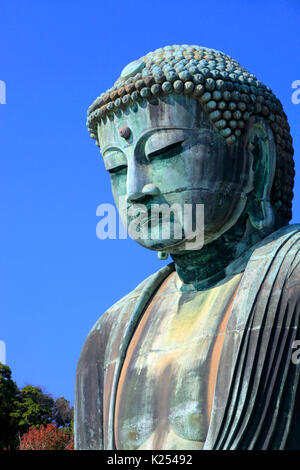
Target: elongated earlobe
261	148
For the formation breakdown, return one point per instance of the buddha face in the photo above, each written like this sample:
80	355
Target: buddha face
166	151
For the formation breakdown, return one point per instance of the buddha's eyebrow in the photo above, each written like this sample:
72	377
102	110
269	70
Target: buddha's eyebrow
110	147
152	130
145	133
149	132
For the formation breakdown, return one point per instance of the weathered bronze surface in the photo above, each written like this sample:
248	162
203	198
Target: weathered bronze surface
198	356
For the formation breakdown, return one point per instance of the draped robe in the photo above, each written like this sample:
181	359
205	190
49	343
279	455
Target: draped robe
256	401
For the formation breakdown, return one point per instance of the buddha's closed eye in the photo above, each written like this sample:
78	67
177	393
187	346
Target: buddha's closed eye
164	144
121	169
115	162
166	152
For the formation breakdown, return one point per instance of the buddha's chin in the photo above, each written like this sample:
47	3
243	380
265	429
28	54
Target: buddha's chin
167	245
160	237
171	245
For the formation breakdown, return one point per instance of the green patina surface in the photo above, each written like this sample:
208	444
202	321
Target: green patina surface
190	362
174	353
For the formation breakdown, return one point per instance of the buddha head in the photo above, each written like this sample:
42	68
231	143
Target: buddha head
187	125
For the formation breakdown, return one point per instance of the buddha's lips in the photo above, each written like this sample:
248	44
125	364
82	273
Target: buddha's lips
151	218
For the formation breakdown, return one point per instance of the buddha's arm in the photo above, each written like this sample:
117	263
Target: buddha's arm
292	290
88	420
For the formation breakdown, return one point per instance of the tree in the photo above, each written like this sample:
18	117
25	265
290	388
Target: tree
32	407
8	394
62	412
47	437
28	408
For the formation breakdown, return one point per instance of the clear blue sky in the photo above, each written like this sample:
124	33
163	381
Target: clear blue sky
57	56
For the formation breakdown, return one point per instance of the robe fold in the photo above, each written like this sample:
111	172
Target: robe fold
257	394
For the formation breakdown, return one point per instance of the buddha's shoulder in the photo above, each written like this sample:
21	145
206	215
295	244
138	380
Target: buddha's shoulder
292	262
127	303
279	244
282	250
102	329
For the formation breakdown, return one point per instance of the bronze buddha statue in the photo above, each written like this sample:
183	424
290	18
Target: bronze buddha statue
199	355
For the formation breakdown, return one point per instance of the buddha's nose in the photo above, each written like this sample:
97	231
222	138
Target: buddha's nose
148	189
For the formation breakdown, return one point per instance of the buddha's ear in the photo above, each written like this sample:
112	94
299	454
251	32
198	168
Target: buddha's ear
260	147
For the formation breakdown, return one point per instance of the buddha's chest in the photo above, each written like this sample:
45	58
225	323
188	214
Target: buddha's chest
166	386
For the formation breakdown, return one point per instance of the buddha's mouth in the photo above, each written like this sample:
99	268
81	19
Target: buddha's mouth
151	219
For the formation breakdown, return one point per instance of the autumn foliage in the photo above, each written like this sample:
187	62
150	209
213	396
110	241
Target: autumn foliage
32	417
47	437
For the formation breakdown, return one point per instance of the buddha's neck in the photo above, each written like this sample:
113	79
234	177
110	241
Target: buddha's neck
203	268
